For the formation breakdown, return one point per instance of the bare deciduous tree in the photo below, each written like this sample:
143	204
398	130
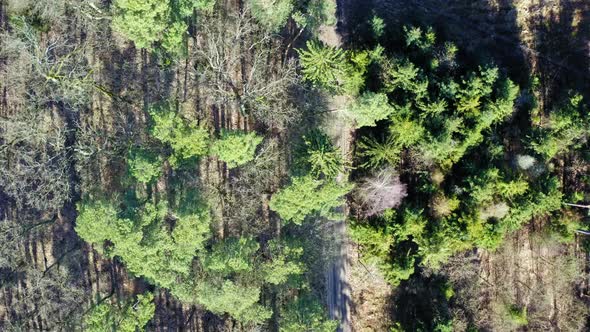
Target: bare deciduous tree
44	71
382	191
240	63
34	160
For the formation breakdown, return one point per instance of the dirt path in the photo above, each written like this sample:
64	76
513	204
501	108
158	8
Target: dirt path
338	289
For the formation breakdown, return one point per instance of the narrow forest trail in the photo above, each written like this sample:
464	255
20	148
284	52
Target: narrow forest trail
337	286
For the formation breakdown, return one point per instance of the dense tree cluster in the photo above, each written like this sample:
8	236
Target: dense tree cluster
447	123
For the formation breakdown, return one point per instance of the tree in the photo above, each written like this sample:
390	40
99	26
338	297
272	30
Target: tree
378	153
154	21
285	262
309	14
381	192
323	66
186	139
141	21
231	280
424	40
377	243
320	157
240	301
475	87
144	165
305	314
236	148
306	195
95	222
234	274
563	129
232	256
265	91
368	109
272	13
34	162
401	74
312	14
133	316
144	242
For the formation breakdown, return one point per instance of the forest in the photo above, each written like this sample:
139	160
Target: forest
294	165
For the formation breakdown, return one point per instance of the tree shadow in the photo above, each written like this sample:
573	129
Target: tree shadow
558	46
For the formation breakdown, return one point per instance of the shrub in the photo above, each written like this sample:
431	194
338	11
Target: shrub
517	315
236	148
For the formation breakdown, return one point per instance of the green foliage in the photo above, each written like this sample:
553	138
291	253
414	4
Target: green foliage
285	262
144	243
163	247
187	6
95	222
234	273
411	226
186	139
377	153
133	316
307	195
236	148
356	70
517	316
378	26
312	14
306	314
323	66
272	14
475	87
147	22
563	130
144	165
320	156
375	242
564	226
378	245
444	327
368	109
434	118
240	301
141	21
334	69
537	204
440	244
401	74
234	255
173	40
415	36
